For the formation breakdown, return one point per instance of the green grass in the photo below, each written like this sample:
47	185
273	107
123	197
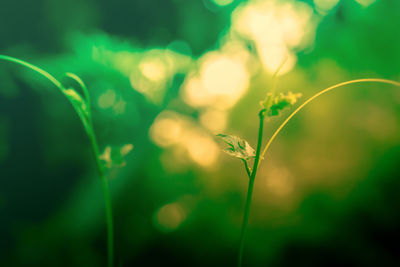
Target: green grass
82	106
272	106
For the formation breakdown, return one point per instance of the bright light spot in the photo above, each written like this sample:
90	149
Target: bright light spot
125	149
224	78
279	182
194	94
214	120
123	61
238	50
222	75
275	26
272	56
366	3
257	22
112	158
119	106
107	99
221	82
201	148
295	20
182	134
166	129
169	217
324	6
223	2
153	69
152	72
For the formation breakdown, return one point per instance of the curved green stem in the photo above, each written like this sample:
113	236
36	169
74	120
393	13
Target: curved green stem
83	86
260	156
248	171
92	137
250	187
107	199
317	95
34	68
275	83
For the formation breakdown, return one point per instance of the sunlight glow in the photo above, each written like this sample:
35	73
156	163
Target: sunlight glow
279	27
272	56
107	99
169	217
224	76
153	69
223	2
166	129
179	132
221	82
201	148
119	106
214	120
150	71
323	6
279	182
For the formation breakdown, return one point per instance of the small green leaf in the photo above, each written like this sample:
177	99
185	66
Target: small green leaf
115	156
80	107
238	147
266	103
278	103
76	100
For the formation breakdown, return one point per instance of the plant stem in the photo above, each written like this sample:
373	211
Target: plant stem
248	171
371	80
107	199
245	220
95	148
260	157
250	188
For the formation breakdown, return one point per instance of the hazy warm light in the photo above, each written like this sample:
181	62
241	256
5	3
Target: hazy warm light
324	6
181	133
366	2
222	75
150	72
166	129
276	28
119	106
214	120
194	94
221	82
224	78
169	217
201	148
152	75
153	69
279	182
107	99
272	56
222	2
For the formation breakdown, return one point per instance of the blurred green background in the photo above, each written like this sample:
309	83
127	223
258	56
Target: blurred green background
168	75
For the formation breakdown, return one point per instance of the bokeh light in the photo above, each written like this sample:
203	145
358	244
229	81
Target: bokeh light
169	217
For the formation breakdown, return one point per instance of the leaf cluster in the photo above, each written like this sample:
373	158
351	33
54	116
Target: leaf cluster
275	104
238	147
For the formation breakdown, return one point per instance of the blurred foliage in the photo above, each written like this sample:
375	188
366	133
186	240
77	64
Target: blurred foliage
167	76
